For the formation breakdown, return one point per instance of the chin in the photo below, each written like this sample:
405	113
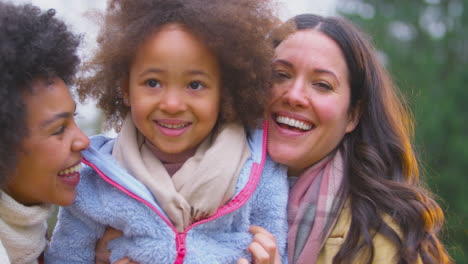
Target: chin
65	199
280	153
282	158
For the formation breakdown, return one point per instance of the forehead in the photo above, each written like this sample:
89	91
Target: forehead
48	97
173	39
311	46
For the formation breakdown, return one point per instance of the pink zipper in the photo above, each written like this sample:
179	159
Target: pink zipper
233	205
249	188
127	192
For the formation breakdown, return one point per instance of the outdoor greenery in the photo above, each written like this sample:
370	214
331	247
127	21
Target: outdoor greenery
425	47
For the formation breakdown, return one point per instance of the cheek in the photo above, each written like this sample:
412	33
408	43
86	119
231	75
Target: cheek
331	111
140	114
211	109
211	116
276	91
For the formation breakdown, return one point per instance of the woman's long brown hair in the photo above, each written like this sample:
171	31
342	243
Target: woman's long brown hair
381	168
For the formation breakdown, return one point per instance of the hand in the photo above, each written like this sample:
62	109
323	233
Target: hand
102	252
124	261
263	247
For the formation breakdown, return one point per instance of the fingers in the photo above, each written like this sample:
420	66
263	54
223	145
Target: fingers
111	234
263	248
260	230
259	254
102	252
124	261
265	240
243	261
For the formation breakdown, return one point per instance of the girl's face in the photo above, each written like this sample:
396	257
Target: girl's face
173	89
49	158
309	111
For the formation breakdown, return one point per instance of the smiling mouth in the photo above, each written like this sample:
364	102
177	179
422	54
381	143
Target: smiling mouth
70	170
291	123
173	126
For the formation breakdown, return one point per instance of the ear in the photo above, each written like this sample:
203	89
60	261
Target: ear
354	116
125	91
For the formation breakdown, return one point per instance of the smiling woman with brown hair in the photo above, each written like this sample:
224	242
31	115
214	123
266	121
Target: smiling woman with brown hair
40	141
337	122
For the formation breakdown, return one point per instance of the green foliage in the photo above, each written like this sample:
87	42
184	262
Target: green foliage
425	47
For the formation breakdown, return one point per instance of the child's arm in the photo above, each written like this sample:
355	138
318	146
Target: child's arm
270	205
74	239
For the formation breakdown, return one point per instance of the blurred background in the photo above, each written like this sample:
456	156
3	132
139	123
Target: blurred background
423	43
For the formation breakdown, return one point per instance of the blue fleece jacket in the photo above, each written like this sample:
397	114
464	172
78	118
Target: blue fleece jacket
108	196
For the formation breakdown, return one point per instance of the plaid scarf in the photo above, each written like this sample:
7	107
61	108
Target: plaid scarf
313	208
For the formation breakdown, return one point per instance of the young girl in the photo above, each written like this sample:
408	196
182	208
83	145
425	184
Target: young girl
180	80
40	142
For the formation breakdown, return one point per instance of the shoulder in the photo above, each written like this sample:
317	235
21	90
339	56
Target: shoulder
99	144
385	250
98	159
343	222
257	143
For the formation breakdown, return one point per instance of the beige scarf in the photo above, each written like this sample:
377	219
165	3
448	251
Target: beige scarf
23	229
205	182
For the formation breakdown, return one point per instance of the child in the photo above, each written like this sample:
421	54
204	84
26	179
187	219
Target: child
40	141
179	80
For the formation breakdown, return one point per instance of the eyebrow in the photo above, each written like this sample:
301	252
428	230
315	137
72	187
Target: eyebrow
328	72
191	72
150	70
285	62
198	72
62	115
290	65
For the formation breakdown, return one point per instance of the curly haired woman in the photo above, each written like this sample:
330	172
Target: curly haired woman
40	142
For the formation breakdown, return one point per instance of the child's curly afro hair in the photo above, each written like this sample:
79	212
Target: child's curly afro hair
235	30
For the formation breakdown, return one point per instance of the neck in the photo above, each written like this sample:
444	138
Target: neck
171	161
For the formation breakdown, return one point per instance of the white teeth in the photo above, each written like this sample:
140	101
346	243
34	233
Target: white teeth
73	169
173	126
293	122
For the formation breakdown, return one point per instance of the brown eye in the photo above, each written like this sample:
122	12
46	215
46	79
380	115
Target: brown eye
59	130
281	75
153	83
324	85
196	85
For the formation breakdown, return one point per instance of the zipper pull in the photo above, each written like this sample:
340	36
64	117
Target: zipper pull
181	248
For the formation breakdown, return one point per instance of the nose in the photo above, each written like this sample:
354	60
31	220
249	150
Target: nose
172	101
296	94
80	140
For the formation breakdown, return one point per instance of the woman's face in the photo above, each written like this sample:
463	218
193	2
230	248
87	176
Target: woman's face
309	111
49	159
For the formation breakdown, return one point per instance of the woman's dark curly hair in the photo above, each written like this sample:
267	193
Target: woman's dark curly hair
33	44
235	30
381	168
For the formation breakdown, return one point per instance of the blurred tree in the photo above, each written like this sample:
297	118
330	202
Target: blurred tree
424	44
